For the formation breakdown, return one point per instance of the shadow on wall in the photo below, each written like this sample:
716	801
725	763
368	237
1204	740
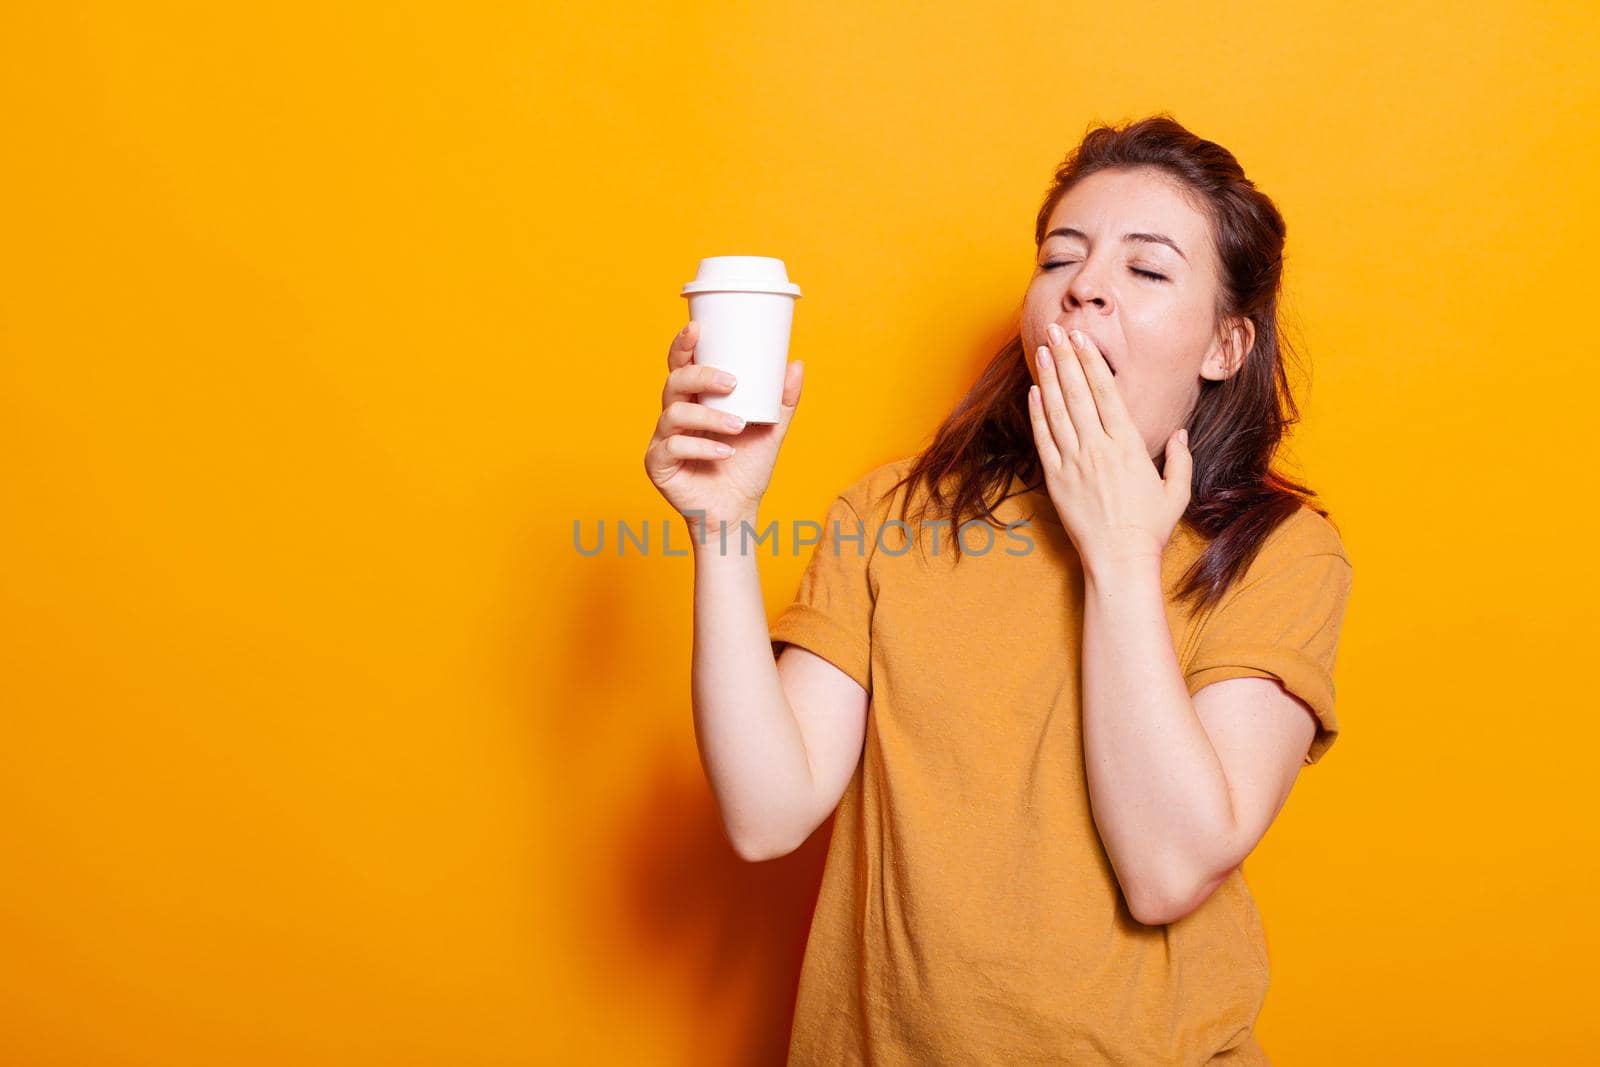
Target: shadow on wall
734	931
670	898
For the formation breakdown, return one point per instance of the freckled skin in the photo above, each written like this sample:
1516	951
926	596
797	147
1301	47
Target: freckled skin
1162	337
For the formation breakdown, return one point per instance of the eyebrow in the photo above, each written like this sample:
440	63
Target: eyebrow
1148	238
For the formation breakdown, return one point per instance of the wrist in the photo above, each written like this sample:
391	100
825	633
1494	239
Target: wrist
1119	570
721	535
698	518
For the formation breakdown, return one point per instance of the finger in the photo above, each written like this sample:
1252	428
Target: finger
1049	455
793	382
1075	388
1178	471
683	446
1114	417
1055	405
666	454
696	378
682	348
683	415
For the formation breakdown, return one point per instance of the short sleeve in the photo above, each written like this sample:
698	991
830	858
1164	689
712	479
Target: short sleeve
832	613
1282	620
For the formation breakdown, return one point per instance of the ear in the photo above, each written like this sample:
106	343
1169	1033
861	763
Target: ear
1228	351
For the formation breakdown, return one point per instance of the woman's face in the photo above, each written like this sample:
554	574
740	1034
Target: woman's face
1105	268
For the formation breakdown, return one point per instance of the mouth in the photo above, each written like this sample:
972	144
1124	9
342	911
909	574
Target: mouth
1105	357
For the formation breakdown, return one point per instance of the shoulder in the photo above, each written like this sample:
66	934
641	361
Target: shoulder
1307	532
1303	551
1299	570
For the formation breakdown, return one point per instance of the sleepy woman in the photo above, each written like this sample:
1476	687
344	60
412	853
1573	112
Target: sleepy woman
1046	761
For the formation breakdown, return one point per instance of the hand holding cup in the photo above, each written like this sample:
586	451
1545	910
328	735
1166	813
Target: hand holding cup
708	464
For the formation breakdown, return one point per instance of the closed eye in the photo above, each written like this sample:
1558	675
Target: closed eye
1152	275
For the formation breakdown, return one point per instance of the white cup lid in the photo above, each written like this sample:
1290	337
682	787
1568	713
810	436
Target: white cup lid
744	274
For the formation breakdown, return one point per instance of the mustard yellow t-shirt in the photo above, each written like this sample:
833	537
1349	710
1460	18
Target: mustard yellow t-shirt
968	913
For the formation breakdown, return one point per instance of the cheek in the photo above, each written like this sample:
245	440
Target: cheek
1170	325
1035	313
1166	347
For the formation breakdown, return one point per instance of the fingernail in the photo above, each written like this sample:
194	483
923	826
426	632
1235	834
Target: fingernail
724	378
724	450
733	422
1042	356
1077	338
1055	334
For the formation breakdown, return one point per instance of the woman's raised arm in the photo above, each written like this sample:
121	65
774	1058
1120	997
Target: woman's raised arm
770	787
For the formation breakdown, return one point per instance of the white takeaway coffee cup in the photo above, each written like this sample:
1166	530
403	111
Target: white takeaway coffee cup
745	306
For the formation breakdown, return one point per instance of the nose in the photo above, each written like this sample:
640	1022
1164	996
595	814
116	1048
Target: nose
1087	287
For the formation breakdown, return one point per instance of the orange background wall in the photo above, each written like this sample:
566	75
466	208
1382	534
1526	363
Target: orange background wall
321	324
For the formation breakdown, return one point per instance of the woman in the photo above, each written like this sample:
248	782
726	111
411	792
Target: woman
1073	745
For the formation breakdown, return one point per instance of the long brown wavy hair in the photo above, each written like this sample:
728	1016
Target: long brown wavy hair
1237	423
